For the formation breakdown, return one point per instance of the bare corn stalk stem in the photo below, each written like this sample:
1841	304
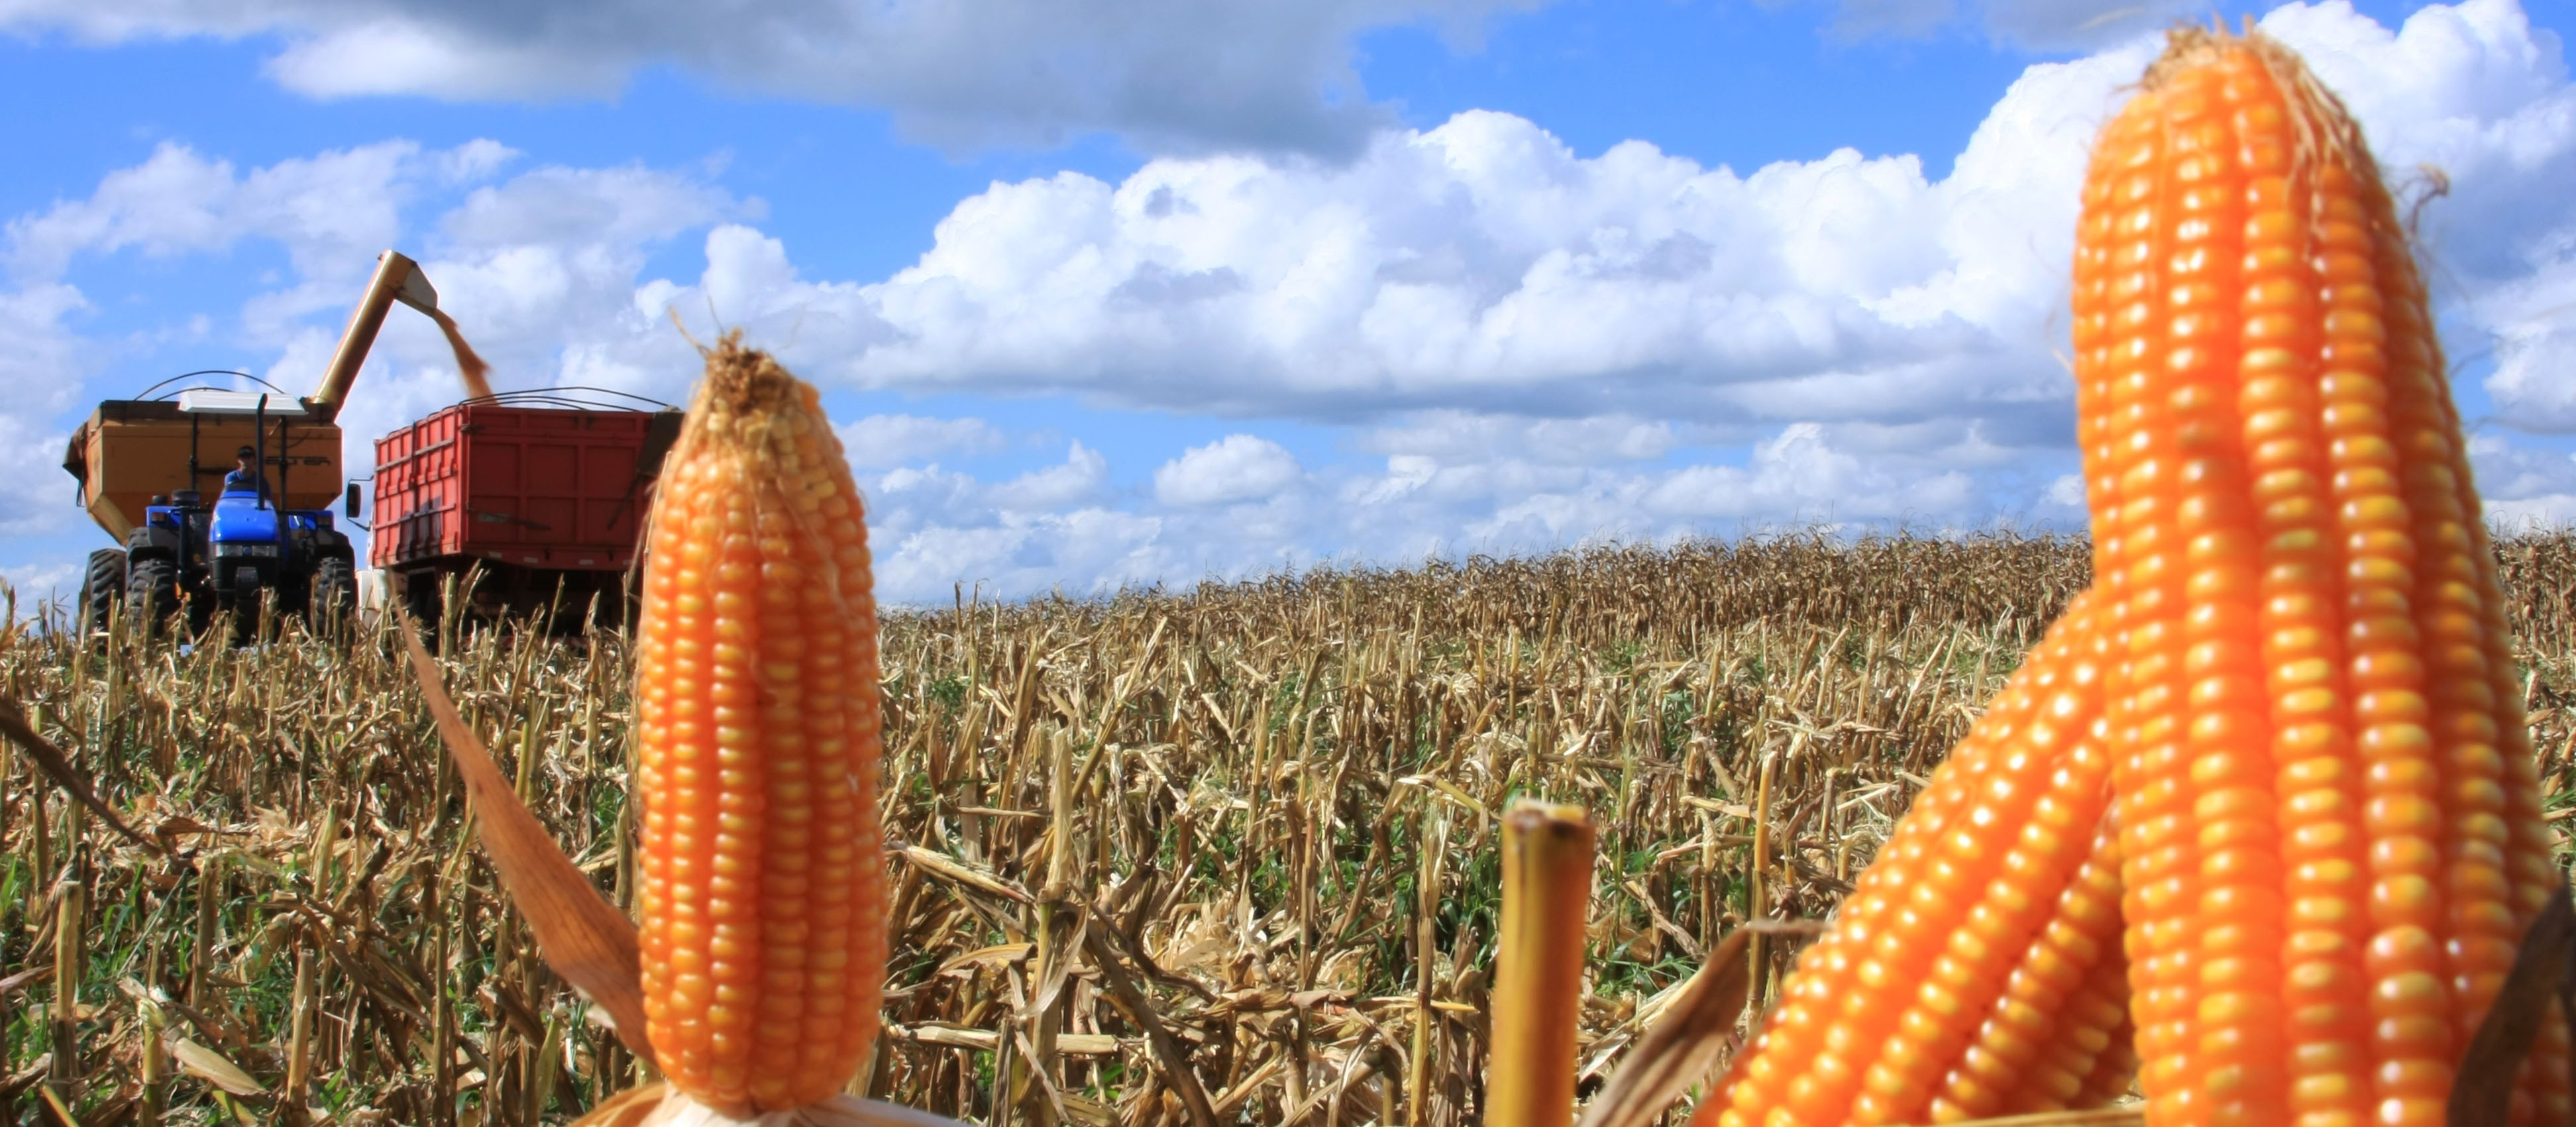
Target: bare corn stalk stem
1538	983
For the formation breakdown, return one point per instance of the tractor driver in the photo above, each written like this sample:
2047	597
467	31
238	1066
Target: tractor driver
246	477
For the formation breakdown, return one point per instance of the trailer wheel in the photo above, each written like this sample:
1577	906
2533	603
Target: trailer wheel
331	599
152	590
102	587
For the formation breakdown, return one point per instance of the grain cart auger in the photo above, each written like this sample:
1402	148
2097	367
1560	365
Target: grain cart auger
268	532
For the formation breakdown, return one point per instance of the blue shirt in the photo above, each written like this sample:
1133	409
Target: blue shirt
246	481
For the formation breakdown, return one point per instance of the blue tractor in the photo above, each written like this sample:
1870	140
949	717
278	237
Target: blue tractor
224	556
268	534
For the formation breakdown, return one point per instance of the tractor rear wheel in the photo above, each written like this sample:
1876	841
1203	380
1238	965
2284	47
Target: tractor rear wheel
102	587
152	593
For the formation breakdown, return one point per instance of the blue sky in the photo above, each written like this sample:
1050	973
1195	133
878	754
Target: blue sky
1113	292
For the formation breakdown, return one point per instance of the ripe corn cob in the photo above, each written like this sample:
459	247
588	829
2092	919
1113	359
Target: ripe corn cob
763	935
2115	1070
2330	831
2043	1034
1884	1010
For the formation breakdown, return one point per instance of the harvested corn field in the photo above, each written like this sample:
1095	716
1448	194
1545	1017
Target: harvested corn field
1236	796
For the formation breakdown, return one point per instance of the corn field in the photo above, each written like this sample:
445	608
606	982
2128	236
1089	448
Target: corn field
1221	856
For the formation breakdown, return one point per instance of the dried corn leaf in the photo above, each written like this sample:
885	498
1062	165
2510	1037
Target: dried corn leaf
1683	1044
959	872
212	1067
58	766
2539	976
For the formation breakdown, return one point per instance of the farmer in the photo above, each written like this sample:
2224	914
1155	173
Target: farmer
246	477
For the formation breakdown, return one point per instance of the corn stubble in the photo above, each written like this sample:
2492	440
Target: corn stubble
1252	826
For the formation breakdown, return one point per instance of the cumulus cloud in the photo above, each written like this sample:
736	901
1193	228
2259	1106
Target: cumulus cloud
324	209
540	267
1238	467
2524	488
880	441
1274	74
1241	506
1485	267
35	588
41	366
1465	435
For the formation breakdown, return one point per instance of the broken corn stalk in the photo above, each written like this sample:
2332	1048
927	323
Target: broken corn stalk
1538	985
763	929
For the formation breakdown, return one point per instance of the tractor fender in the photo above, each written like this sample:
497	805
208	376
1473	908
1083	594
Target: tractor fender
150	541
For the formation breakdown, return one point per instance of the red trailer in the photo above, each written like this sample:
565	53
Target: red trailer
543	495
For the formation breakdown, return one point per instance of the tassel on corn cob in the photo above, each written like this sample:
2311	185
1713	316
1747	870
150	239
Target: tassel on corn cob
763	931
2329	824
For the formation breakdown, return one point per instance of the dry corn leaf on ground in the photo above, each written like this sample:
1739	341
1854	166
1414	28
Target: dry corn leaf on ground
2328	812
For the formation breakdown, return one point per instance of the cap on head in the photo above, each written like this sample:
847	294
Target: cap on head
245	452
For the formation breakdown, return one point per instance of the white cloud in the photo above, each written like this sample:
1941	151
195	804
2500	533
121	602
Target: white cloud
541	268
2029	24
332	212
1191	73
40	499
37	587
1079	478
1585	441
1238	467
1205	518
1800	477
2524	488
880	441
2061	24
42	362
1484	267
